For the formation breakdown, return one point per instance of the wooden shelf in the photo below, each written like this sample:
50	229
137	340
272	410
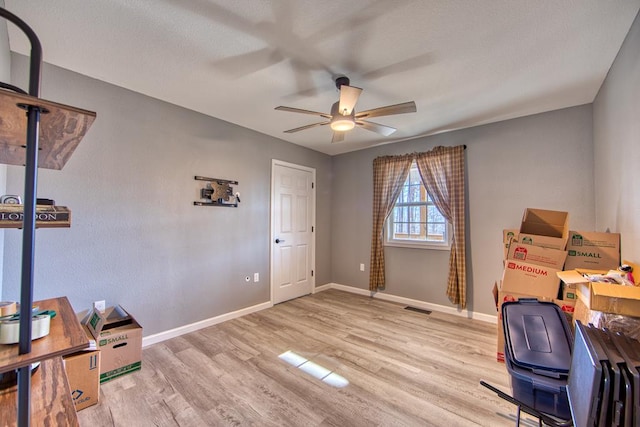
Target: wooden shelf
51	401
61	130
66	336
46	216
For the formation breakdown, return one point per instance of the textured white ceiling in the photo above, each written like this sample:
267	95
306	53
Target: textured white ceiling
464	62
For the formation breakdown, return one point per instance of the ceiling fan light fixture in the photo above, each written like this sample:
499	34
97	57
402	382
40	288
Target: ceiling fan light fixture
342	123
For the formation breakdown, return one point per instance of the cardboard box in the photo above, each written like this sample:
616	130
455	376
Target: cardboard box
119	337
545	228
628	325
569	292
566	305
530	279
83	373
593	250
604	297
507	235
546	257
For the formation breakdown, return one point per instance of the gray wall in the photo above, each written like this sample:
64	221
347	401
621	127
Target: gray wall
616	136
136	239
541	161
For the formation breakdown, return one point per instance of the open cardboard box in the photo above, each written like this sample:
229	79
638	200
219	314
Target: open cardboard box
604	297
119	337
541	227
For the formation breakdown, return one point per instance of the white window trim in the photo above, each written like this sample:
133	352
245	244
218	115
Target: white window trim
415	244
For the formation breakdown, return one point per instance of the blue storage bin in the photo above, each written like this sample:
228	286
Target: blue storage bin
545	394
538	344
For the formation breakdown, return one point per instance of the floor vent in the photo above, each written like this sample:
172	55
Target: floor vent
419	310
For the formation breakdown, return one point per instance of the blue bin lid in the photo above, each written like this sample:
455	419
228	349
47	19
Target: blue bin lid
537	336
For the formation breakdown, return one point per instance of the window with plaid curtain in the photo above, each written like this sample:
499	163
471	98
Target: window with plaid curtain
442	174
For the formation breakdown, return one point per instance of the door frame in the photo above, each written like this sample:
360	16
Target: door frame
272	236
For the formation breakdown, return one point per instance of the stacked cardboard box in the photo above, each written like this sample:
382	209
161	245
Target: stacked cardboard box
535	253
541	227
595	251
590	251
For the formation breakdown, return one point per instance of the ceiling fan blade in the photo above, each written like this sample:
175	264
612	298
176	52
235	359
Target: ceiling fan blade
348	97
306	127
299	110
375	127
389	110
337	137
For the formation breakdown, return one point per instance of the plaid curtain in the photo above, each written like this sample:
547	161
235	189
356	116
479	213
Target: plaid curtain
442	173
389	174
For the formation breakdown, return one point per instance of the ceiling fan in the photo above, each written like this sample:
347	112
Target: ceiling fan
343	116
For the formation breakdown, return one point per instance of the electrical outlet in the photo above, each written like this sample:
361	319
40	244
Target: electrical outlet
101	305
256	277
361	267
247	278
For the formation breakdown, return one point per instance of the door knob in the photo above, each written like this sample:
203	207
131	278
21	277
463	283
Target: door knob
279	240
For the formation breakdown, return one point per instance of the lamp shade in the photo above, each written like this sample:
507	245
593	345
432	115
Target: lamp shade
340	122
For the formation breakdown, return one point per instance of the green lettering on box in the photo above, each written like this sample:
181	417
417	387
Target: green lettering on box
94	320
118	372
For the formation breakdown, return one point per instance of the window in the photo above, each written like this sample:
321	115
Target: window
415	221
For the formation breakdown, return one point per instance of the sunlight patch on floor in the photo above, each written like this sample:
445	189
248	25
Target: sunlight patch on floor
313	369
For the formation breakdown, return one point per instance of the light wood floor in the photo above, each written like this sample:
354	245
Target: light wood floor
404	369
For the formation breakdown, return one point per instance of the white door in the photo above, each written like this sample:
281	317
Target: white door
292	222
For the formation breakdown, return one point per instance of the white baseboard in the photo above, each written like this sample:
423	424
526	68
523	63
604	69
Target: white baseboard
172	333
412	302
322	288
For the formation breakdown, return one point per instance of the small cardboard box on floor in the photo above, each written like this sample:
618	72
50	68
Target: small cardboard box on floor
597	251
546	228
119	338
83	373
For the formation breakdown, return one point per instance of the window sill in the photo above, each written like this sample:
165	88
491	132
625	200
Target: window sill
436	247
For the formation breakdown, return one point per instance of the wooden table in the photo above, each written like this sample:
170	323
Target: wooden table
66	336
51	402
